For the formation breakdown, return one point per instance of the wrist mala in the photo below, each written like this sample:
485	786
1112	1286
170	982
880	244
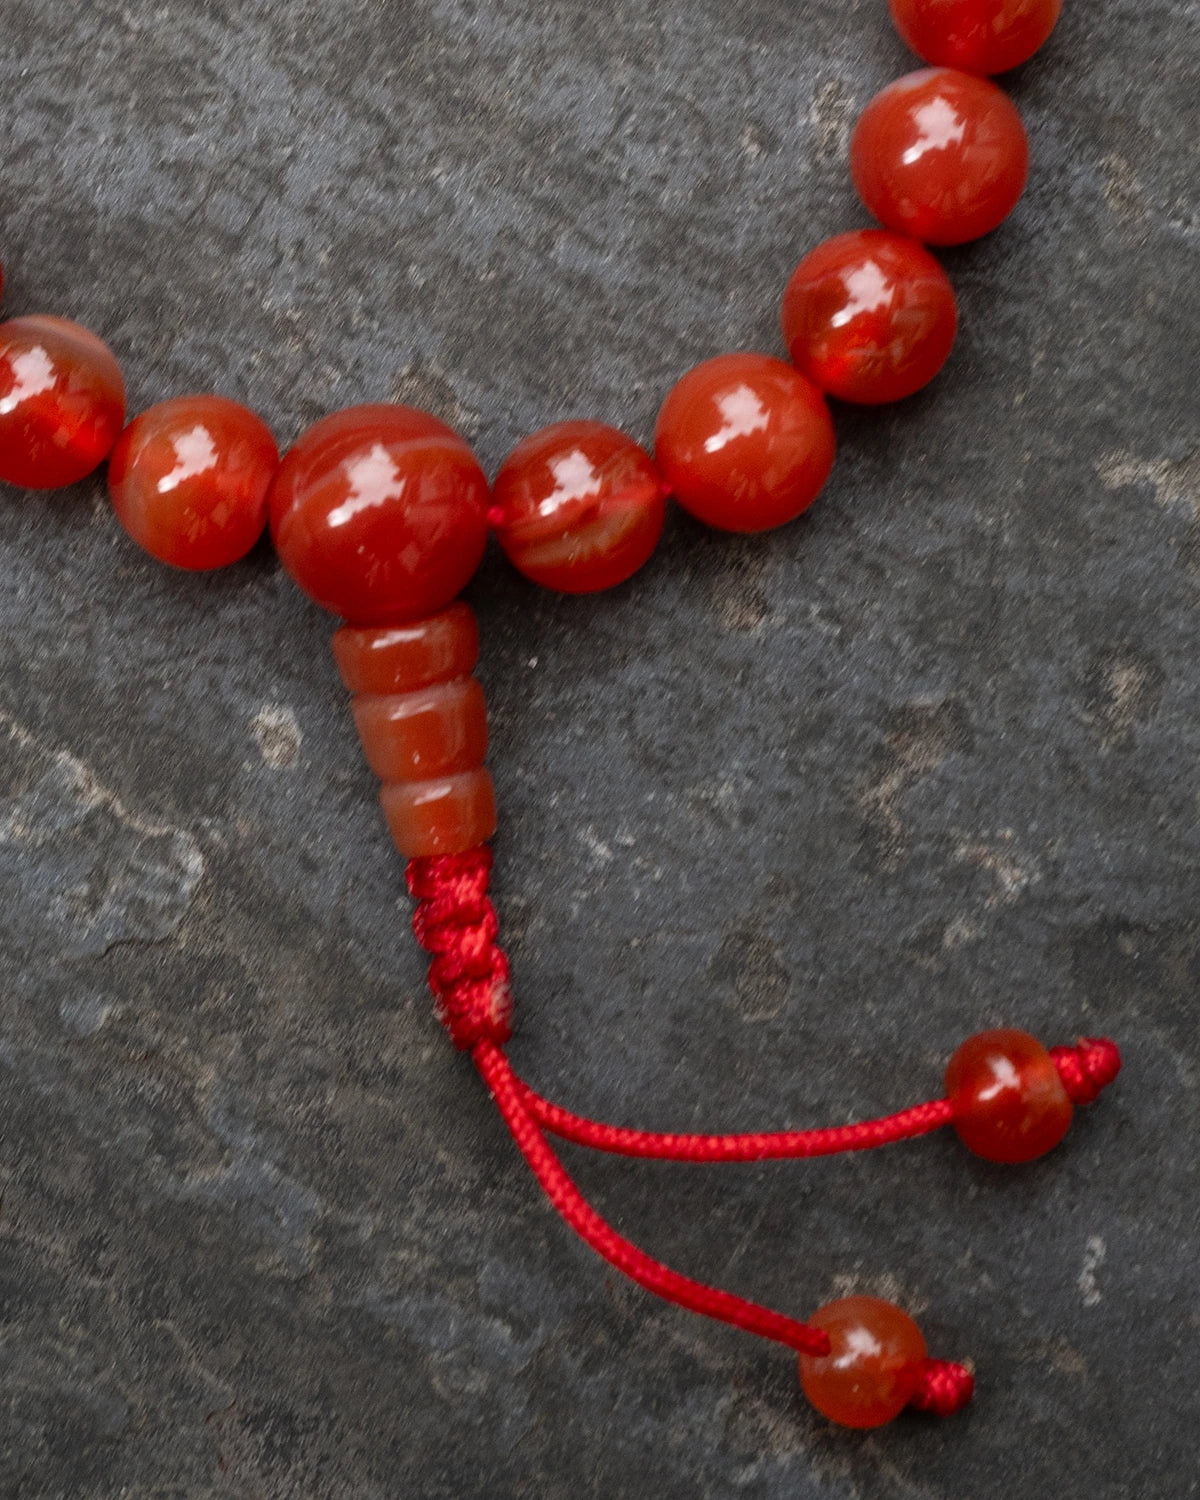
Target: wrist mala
381	514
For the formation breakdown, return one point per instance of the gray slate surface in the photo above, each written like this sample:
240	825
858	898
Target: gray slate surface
783	820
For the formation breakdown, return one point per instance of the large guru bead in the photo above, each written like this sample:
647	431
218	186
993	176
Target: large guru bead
62	402
874	1365
578	507
979	36
869	316
379	513
1010	1103
745	442
189	480
940	155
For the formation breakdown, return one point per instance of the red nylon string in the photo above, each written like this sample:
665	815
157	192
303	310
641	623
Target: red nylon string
595	1231
763	1146
945	1388
1088	1067
456	923
1085	1069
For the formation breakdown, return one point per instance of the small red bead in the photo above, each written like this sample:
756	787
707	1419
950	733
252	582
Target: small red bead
940	155
745	442
398	658
874	1363
1009	1102
430	732
448	815
578	507
189	480
379	513
869	316
979	36
62	402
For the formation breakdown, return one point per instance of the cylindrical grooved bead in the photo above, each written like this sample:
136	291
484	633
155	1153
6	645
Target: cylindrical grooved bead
435	731
422	721
398	658
445	816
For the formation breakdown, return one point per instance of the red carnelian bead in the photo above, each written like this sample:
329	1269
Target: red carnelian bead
869	316
1009	1102
979	36
379	513
445	816
578	507
189	480
398	658
874	1364
940	155
745	442
62	402
431	732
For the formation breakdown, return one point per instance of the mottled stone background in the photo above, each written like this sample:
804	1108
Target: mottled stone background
782	821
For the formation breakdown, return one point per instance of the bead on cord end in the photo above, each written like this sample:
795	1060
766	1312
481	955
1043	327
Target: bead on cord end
861	1360
877	1365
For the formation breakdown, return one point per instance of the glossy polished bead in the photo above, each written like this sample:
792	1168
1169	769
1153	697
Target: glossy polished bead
62	402
398	658
874	1364
1009	1102
189	479
940	155
979	36
379	513
444	816
422	721
431	732
745	442
869	316
578	507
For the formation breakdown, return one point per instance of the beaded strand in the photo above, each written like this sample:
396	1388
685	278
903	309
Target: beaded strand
381	514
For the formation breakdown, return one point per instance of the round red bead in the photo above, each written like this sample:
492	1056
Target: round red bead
874	1365
869	316
189	480
1010	1104
379	513
578	506
979	36
940	155
62	402
745	442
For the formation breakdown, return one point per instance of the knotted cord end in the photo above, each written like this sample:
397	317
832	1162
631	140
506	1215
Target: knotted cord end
945	1388
1087	1067
456	922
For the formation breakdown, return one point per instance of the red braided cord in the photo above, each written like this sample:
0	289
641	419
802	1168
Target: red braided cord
1088	1067
919	1120
508	1093
1085	1069
456	922
945	1388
